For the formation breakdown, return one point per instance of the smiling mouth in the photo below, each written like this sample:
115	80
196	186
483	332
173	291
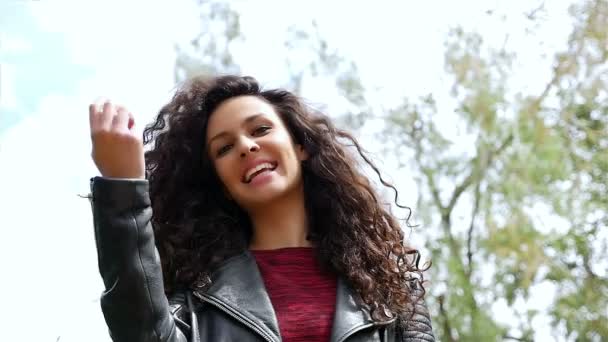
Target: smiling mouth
264	168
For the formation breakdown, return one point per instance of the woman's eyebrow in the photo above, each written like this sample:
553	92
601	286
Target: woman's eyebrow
245	122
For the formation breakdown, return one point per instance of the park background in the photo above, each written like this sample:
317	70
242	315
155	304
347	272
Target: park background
490	117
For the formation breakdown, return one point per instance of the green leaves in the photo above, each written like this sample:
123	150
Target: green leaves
518	250
539	164
516	198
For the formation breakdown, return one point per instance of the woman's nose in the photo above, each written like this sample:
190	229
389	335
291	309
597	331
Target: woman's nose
248	146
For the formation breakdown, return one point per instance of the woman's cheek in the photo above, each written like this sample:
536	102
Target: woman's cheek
222	172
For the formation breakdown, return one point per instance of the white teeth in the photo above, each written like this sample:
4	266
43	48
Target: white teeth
256	169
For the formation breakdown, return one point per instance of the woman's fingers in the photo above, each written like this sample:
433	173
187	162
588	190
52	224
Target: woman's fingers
131	123
120	121
92	115
117	149
101	114
107	116
95	114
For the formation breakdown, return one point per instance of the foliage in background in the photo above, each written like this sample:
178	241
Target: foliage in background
523	204
535	158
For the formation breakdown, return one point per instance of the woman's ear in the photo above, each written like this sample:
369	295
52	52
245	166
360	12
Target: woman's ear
301	152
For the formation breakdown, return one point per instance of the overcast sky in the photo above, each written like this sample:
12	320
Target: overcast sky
57	56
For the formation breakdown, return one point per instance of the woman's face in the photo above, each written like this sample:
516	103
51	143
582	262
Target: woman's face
252	151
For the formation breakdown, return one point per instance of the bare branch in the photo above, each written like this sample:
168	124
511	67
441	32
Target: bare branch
532	15
477	171
433	187
587	266
446	322
477	196
428	174
509	337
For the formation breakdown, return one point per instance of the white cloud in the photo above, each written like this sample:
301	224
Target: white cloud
109	33
8	98
48	246
13	44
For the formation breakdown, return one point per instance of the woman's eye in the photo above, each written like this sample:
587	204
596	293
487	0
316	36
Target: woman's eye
223	150
261	130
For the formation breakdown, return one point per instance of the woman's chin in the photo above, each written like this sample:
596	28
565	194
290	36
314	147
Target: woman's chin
266	194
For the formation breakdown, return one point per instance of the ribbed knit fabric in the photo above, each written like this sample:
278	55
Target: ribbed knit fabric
303	297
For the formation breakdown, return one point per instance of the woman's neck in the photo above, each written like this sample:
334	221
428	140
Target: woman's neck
281	224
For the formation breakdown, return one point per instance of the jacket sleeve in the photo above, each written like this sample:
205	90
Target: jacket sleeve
417	326
134	303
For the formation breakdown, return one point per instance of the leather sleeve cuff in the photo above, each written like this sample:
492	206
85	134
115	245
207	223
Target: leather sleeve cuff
120	193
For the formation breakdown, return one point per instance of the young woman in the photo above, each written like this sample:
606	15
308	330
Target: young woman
247	220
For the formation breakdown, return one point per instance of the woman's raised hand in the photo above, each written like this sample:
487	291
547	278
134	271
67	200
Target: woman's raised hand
118	149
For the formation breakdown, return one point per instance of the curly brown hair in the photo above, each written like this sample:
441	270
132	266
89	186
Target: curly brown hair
197	226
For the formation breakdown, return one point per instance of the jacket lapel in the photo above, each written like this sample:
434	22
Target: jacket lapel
349	317
238	285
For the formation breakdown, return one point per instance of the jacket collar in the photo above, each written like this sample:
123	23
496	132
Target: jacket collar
238	289
349	316
237	286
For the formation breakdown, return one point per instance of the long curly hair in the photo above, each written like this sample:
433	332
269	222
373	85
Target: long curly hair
197	227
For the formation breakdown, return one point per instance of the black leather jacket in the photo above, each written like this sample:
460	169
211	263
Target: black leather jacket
235	308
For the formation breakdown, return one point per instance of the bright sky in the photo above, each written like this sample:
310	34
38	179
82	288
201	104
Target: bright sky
57	56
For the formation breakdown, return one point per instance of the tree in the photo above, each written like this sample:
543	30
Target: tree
582	123
532	159
211	52
530	152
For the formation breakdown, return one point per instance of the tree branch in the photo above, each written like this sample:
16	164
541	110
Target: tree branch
428	174
477	171
446	322
509	337
433	187
587	267
477	195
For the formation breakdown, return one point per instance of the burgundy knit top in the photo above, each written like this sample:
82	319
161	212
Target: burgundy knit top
303	297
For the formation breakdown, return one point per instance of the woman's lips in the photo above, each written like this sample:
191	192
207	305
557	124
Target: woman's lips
261	177
265	166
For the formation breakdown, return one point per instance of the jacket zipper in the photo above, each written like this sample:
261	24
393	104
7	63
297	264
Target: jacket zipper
234	314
